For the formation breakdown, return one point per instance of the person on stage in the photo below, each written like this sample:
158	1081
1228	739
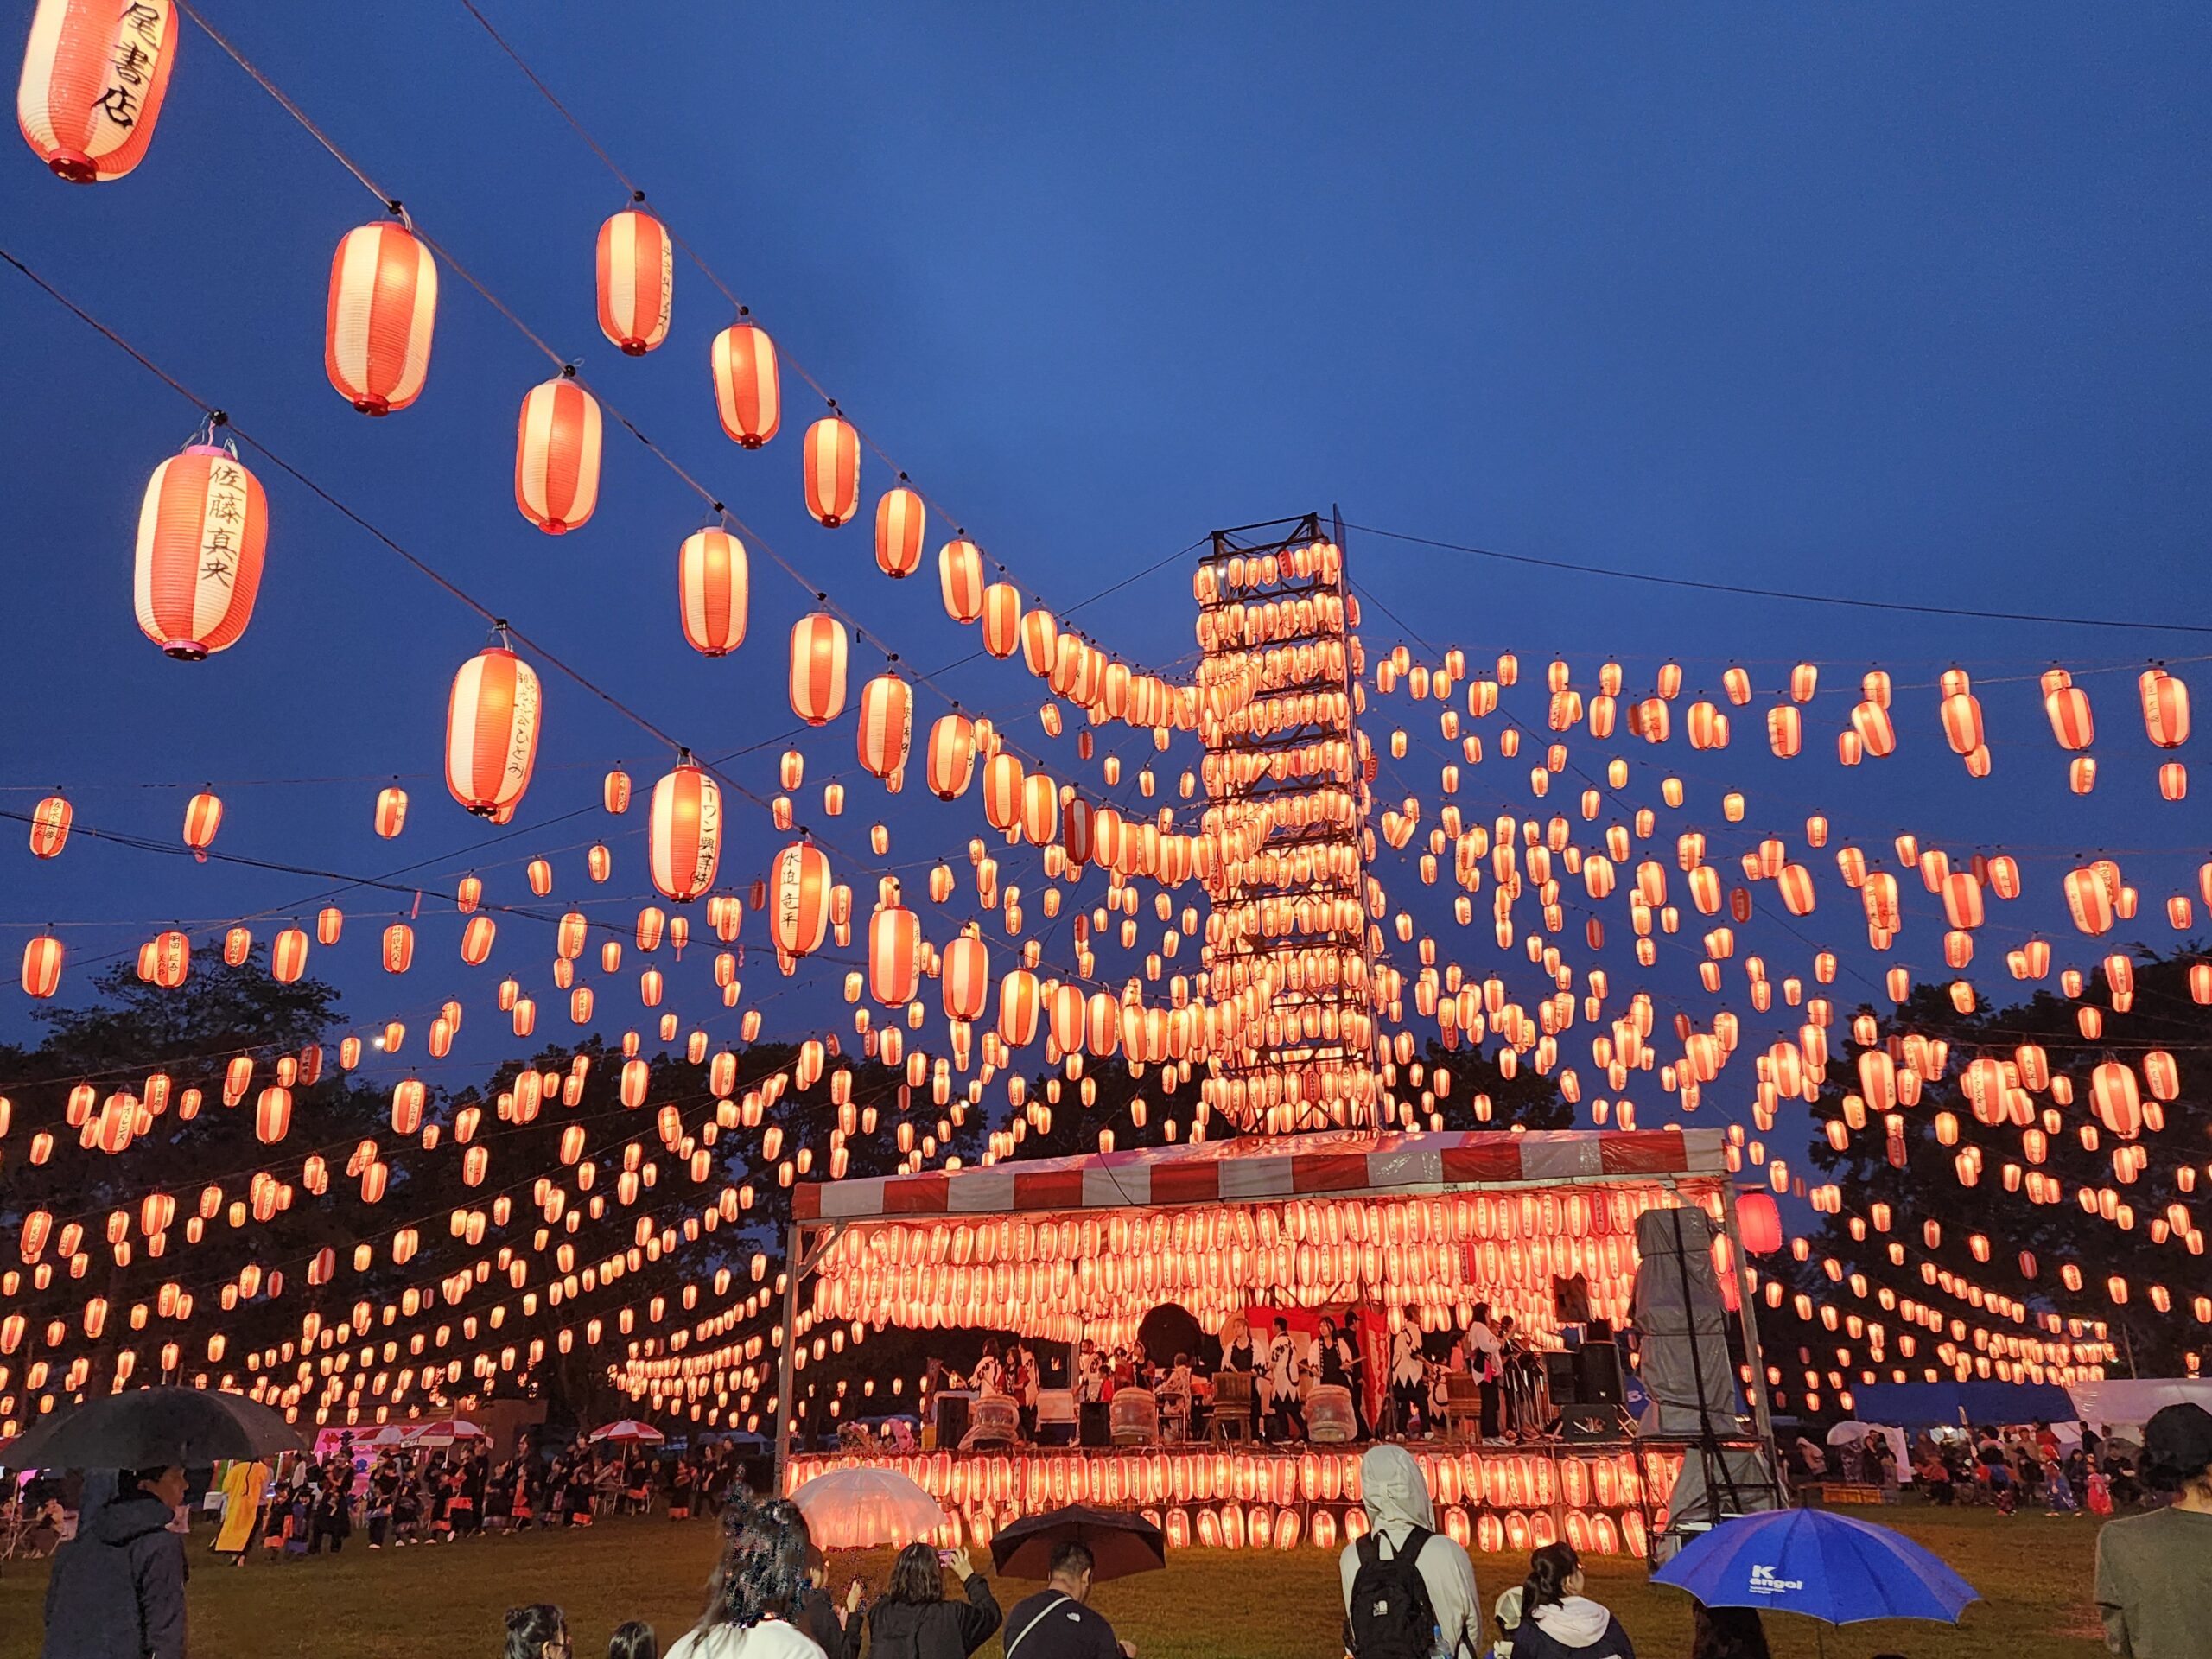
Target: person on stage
1409	1374
1340	1362
1286	1410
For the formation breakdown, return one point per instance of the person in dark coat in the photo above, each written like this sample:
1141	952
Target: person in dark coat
915	1621
117	1589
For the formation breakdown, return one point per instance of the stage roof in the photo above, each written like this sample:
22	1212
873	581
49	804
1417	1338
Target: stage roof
1344	1163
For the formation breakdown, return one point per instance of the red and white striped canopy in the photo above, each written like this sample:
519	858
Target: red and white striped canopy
1342	1163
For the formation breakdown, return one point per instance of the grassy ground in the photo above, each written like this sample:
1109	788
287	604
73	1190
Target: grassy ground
2034	1574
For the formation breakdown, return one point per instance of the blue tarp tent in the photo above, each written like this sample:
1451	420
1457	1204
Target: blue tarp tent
1921	1405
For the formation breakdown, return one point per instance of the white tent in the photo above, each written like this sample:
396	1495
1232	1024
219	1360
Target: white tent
2130	1403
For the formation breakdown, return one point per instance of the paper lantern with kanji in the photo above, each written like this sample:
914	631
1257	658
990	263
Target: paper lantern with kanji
492	732
818	653
833	471
557	455
900	522
686	832
42	965
391	812
202	530
637	272
713	584
94	75
50	821
383	310
747	391
886	725
960	579
894	943
798	899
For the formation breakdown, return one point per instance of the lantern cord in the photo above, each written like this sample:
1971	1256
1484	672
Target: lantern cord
1784	594
290	108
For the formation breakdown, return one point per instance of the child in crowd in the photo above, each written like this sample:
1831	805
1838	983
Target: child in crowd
634	1640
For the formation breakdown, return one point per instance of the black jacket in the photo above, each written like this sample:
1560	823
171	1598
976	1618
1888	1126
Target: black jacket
818	1618
117	1589
936	1630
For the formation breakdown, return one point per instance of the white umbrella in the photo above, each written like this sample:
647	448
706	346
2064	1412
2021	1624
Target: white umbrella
628	1429
1849	1431
458	1429
854	1509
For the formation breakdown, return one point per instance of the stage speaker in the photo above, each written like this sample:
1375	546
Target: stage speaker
1563	1376
1094	1419
951	1421
1598	1365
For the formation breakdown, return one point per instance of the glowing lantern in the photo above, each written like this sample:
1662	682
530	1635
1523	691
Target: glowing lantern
894	955
383	307
886	725
2071	723
557	455
951	762
50	821
900	523
966	983
492	733
94	75
637	269
960	578
1758	1218
799	917
288	956
713	585
746	392
398	948
819	652
2112	1091
833	471
272	1114
1002	619
2165	709
202	531
391	812
686	831
476	940
203	816
42	965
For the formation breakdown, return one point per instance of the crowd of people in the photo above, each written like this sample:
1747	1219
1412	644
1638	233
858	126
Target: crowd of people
2002	1469
1409	1591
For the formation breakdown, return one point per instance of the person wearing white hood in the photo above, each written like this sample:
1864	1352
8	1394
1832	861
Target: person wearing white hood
1401	1535
1557	1620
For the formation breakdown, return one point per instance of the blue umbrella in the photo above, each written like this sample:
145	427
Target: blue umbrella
1825	1566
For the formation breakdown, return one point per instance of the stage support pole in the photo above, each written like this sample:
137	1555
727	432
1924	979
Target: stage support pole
1754	1358
785	1372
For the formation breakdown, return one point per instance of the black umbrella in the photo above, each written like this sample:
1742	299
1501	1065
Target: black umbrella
1121	1541
149	1428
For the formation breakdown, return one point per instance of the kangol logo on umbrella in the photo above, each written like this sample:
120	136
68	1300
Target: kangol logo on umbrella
1763	1583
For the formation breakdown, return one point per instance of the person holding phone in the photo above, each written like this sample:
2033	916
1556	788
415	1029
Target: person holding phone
914	1619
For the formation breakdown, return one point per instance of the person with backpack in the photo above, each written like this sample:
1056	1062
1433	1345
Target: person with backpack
1410	1591
1557	1620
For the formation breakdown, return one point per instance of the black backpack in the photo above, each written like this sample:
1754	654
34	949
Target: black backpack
1389	1617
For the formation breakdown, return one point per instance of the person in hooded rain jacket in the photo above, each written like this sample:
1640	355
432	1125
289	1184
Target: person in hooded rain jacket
117	1589
1396	1501
1557	1620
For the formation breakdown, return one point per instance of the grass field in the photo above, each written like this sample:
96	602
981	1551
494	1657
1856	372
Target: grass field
435	1601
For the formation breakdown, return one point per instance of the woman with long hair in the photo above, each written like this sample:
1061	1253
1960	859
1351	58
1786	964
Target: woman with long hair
913	1620
758	1587
1557	1620
538	1631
